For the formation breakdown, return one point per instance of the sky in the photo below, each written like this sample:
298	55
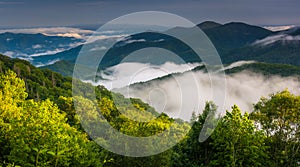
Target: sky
35	13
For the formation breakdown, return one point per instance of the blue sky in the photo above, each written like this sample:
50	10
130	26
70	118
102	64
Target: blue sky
73	12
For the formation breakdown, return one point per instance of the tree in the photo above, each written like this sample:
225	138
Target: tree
12	93
36	133
279	118
236	142
191	152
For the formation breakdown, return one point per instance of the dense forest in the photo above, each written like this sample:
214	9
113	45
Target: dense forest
40	127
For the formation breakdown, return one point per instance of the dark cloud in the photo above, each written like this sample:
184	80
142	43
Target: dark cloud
70	12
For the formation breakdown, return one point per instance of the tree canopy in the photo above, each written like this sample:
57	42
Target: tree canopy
39	126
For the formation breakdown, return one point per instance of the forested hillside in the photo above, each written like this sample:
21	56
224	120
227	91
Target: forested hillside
40	127
267	69
40	101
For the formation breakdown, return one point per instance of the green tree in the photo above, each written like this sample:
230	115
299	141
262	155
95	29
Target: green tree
36	133
191	152
279	117
236	142
12	94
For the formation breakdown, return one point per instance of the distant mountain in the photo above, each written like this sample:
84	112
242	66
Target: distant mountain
225	38
208	25
295	31
234	35
234	41
120	50
27	45
282	47
277	52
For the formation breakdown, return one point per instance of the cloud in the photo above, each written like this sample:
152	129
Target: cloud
132	41
237	64
48	63
53	31
279	28
98	48
25	58
127	40
103	37
9	53
37	46
128	73
78	33
50	52
75	35
281	37
180	94
41	50
159	40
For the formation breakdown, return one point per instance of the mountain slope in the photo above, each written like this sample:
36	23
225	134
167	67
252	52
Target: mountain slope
234	42
44	84
129	116
267	69
281	47
224	37
278	52
40	84
234	35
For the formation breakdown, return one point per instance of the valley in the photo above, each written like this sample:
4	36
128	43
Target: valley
150	85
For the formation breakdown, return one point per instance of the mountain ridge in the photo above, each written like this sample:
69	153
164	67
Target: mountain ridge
234	42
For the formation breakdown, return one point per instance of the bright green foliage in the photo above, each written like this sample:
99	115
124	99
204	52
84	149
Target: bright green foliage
12	88
118	117
39	84
36	133
236	142
279	118
11	96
